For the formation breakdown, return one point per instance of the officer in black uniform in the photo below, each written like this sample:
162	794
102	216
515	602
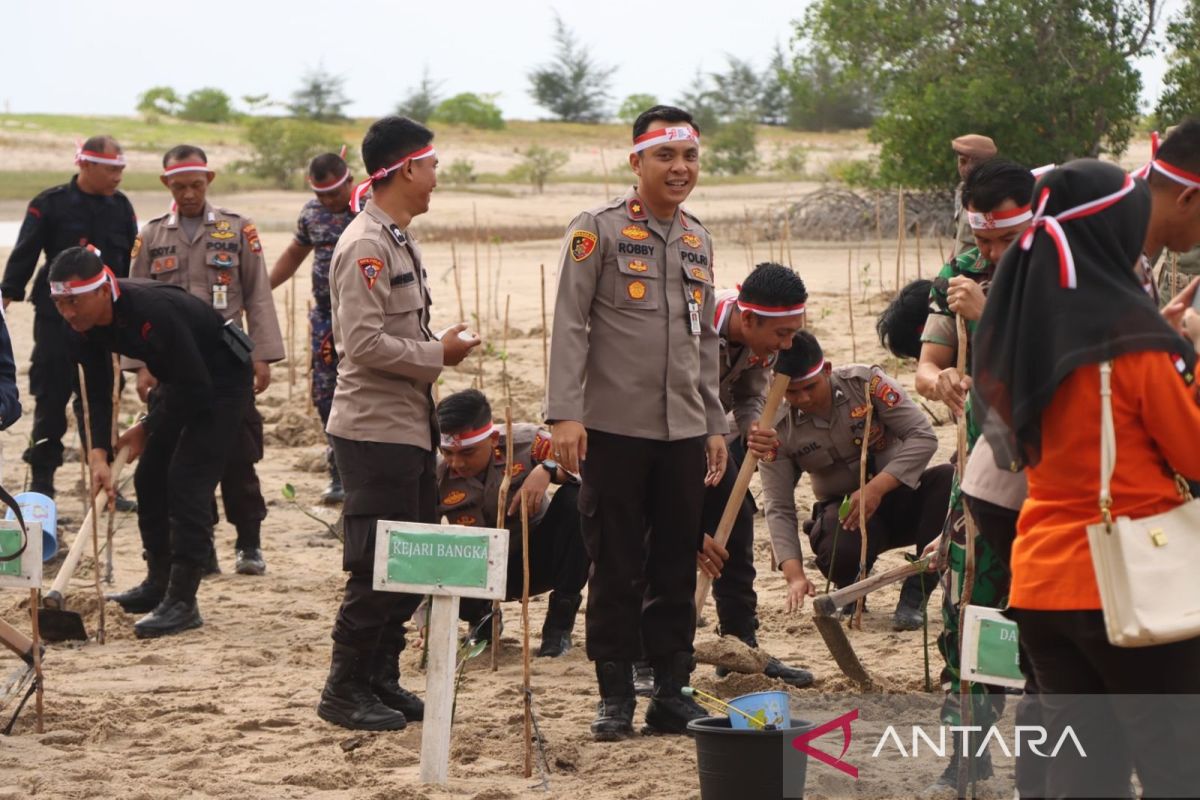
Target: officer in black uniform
86	210
205	384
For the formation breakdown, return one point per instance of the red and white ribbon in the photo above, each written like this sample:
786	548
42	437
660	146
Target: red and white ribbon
666	136
64	288
331	185
1052	225
994	220
95	157
1143	171
186	166
468	438
1182	176
812	373
383	172
771	311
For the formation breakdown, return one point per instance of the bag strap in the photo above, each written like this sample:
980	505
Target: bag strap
1108	442
8	500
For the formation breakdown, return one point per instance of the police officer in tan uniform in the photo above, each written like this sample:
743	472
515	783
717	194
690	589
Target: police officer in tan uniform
382	424
216	255
970	151
633	401
820	432
753	322
473	464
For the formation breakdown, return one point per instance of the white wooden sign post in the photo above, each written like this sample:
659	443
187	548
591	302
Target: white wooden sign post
448	562
25	572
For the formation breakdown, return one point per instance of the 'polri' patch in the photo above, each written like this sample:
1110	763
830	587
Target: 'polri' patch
583	243
371	270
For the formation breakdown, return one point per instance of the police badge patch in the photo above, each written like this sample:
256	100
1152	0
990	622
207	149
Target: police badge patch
583	243
371	270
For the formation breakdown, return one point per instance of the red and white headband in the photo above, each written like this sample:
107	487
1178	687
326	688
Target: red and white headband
1066	261
683	133
771	311
994	220
468	438
812	373
383	172
96	157
331	185
186	166
1155	164
85	285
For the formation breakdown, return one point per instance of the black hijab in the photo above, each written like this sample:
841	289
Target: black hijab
1036	329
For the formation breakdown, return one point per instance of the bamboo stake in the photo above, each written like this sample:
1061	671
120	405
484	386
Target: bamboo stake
34	604
545	335
879	234
292	335
850	304
968	586
604	168
525	636
462	312
87	438
487	255
862	508
501	519
787	231
918	249
499	271
941	252
899	239
112	506
478	307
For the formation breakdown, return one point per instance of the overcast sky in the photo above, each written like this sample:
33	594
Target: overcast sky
69	56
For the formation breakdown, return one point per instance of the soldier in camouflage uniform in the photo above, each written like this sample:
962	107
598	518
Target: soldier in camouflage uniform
996	198
321	222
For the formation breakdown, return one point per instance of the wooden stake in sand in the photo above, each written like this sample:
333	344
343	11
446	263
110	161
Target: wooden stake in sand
506	481
87	438
862	508
545	335
292	335
478	306
879	235
528	693
899	240
462	312
850	304
941	252
918	249
112	506
35	603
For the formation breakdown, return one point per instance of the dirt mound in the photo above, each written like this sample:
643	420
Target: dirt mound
295	429
731	653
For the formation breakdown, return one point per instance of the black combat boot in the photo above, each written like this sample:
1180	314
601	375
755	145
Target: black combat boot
384	679
669	710
792	676
41	479
211	565
347	699
178	610
247	550
643	679
614	712
145	597
334	494
560	621
914	595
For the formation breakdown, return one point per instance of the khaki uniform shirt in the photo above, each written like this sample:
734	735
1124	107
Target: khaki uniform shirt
222	264
902	444
474	501
983	480
623	356
744	378
964	237
387	356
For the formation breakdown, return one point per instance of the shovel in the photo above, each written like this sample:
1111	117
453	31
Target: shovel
57	624
825	616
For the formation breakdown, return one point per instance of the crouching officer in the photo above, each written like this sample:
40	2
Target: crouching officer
205	379
821	433
473	463
753	323
216	255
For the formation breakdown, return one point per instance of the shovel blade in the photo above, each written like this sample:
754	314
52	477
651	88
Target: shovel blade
60	625
839	646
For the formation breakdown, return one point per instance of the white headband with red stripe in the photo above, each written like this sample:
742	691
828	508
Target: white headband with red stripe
383	172
64	288
993	220
771	311
1052	225
1155	164
186	166
665	136
336	182
469	437
812	373
96	157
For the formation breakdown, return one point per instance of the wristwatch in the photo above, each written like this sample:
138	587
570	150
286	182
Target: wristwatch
551	466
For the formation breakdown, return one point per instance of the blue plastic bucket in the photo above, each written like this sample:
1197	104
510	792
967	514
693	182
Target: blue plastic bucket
37	507
770	707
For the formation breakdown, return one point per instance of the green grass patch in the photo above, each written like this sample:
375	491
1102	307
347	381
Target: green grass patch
26	184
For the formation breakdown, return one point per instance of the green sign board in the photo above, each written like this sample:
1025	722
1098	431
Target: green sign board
441	559
10	542
998	649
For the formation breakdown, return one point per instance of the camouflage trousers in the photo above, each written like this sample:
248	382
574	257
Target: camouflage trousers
990	589
324	360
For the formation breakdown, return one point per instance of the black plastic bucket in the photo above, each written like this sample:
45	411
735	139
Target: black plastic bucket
746	764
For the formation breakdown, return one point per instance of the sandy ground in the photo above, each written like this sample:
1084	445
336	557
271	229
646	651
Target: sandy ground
228	710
